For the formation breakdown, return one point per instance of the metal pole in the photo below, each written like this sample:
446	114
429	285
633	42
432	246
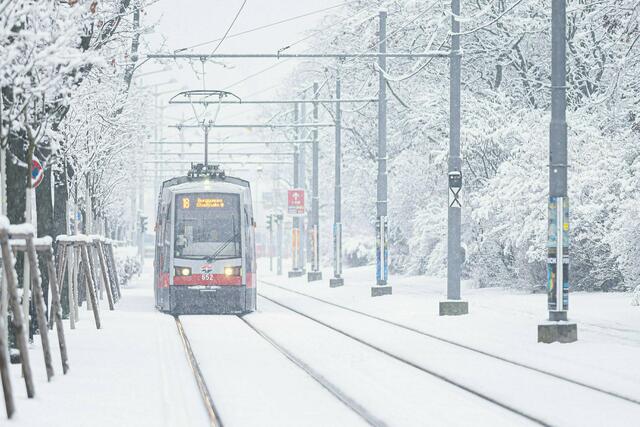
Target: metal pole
558	200
279	221
382	253
337	280
558	329
304	220
270	242
206	146
296	268
315	273
453	305
155	137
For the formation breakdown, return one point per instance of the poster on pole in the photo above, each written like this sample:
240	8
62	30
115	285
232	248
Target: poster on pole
295	201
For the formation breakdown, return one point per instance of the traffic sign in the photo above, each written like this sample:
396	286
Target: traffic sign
37	173
296	201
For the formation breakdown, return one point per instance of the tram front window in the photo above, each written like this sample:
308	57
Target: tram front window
207	226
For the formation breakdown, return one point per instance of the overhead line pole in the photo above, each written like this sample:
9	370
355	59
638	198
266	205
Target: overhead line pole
558	329
297	269
382	254
337	279
454	305
315	274
304	220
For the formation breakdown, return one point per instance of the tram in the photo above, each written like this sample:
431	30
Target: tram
205	261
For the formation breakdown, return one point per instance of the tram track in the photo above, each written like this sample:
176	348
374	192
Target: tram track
403	360
458	344
207	400
332	388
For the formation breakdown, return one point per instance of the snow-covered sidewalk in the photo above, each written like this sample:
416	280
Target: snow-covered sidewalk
132	372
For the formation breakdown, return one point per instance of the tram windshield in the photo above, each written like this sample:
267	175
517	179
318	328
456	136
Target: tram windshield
207	226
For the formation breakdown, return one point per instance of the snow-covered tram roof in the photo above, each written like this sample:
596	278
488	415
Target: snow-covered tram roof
184	184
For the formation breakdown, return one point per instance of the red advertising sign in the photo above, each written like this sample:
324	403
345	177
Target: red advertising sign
296	201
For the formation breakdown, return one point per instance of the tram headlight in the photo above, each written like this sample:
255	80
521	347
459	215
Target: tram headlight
183	271
232	271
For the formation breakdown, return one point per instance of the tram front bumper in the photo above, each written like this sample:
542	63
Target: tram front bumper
208	299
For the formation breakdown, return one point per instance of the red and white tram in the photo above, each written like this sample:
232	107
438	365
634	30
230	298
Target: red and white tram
205	258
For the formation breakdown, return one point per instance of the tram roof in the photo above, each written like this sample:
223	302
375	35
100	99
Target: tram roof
180	180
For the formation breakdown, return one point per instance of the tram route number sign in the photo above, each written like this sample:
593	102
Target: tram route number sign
295	201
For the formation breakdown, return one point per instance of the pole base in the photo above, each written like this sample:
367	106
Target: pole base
336	282
454	308
556	316
314	276
561	332
296	273
378	291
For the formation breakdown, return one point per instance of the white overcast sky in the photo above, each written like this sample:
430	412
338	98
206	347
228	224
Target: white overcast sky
182	23
186	23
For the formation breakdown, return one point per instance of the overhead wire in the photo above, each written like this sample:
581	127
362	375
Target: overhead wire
273	24
270	67
235	18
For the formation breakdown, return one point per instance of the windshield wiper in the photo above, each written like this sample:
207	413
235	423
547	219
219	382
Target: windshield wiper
221	248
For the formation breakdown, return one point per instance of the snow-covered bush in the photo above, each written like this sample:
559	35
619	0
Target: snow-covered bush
635	299
358	251
127	263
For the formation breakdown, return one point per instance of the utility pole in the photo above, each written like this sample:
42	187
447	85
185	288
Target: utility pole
315	274
206	145
558	329
270	245
303	184
337	279
279	221
297	268
155	138
453	304
382	253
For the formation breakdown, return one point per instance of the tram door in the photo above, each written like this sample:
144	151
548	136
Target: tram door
163	267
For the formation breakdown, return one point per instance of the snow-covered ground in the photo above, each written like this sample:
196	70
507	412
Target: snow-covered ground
501	322
134	371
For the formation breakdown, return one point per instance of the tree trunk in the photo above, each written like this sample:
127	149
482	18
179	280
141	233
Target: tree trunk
61	194
46	226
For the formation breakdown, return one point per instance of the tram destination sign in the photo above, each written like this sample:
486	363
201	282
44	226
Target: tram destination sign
189	202
296	201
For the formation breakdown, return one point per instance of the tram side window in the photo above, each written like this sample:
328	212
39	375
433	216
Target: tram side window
166	237
247	239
